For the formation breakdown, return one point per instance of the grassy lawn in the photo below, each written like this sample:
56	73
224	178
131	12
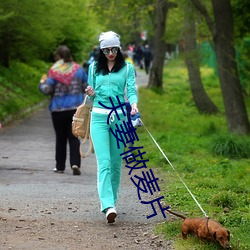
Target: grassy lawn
19	88
214	164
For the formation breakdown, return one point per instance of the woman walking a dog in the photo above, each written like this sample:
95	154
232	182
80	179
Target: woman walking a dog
108	77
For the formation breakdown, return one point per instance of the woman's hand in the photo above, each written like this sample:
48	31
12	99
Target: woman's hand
90	91
43	79
134	109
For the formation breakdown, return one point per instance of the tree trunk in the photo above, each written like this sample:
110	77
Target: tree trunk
201	99
159	46
223	38
235	109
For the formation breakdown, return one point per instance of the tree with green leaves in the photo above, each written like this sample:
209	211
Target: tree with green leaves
159	44
128	18
28	33
242	35
221	27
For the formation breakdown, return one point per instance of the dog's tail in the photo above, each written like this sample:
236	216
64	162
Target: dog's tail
176	214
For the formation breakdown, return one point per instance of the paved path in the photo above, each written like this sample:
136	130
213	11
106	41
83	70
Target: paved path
30	190
26	163
141	78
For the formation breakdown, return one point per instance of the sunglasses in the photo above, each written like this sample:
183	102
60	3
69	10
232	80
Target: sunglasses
106	51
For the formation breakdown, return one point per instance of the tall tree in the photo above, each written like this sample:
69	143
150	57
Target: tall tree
201	99
242	33
223	38
159	44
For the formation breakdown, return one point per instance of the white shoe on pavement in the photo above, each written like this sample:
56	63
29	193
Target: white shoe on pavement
111	215
76	170
58	171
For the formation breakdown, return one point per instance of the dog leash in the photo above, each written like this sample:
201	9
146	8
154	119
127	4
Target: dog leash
175	170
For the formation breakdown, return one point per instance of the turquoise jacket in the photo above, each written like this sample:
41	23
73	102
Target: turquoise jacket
112	85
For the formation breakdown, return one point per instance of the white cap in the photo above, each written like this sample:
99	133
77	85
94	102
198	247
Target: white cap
109	39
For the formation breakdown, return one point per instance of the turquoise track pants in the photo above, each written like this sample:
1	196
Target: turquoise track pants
109	161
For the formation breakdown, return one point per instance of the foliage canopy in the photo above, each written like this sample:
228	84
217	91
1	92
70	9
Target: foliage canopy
28	33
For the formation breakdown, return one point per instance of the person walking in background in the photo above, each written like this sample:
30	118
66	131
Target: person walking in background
128	59
147	54
93	54
108	77
65	84
138	52
92	57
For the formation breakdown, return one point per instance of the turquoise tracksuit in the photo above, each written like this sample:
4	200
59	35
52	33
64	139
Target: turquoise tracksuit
109	161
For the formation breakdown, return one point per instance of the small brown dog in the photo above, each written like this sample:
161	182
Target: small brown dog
205	229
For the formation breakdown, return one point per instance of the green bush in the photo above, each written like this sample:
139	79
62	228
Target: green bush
19	88
224	200
231	146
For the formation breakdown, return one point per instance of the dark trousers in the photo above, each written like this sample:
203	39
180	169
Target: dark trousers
62	122
147	65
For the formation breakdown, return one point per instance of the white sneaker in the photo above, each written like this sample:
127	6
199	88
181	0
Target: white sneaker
111	214
76	170
58	171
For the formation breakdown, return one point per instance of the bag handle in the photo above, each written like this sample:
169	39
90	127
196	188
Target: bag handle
87	137
91	148
85	99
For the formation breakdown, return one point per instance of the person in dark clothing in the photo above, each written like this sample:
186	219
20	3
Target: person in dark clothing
65	83
138	55
93	55
147	54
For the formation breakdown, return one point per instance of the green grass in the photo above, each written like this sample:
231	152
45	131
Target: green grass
19	88
214	164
